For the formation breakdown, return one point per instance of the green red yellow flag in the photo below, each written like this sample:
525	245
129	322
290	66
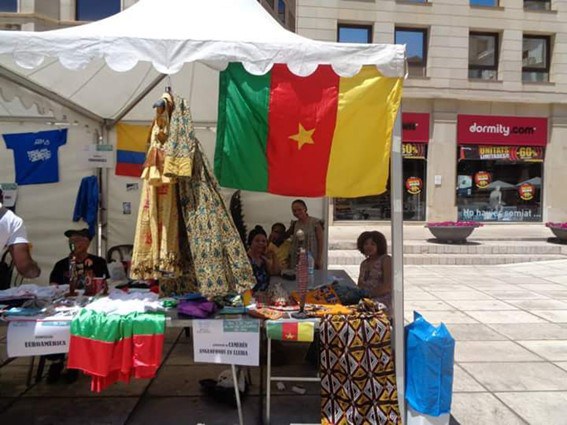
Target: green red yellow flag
321	135
290	331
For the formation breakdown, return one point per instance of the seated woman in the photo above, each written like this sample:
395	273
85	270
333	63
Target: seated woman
375	276
264	263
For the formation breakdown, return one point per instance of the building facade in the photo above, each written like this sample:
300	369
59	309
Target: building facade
41	15
484	107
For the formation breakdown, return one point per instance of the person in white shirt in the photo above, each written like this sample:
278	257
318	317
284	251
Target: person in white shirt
13	235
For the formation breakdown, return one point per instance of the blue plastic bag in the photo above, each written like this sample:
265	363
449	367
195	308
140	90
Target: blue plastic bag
430	353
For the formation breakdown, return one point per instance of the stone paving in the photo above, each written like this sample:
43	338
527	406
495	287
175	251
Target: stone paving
509	321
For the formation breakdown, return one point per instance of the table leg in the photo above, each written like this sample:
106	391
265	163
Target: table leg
237	393
30	372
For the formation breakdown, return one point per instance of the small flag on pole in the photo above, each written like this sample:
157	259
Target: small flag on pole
290	331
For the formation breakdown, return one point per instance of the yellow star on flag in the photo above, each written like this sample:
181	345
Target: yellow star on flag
303	137
289	336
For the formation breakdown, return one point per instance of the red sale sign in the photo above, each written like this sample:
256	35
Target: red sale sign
415	127
495	130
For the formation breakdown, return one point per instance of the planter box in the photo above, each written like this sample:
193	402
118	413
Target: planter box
560	233
451	234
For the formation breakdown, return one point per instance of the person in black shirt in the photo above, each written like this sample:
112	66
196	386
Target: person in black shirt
86	264
79	241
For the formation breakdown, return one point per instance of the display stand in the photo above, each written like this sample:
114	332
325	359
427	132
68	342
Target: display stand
270	378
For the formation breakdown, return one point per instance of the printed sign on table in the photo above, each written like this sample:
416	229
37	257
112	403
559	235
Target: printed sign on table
34	338
229	341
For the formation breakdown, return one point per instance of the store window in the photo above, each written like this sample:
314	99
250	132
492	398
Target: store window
93	10
348	33
8	5
536	60
489	3
483	55
537	4
281	10
500	168
415	40
415	136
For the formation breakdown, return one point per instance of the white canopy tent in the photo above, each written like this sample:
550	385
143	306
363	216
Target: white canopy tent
114	69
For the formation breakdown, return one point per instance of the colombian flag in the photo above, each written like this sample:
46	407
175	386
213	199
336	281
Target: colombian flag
131	149
290	331
321	135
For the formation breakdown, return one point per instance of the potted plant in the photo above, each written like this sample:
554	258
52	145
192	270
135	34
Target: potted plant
559	230
452	231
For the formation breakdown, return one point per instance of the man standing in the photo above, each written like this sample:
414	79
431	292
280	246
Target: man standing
13	235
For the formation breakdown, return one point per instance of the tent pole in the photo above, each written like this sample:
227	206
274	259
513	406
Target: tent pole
48	94
111	123
396	178
325	265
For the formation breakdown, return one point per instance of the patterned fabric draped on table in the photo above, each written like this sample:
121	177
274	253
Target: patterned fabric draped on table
358	380
212	259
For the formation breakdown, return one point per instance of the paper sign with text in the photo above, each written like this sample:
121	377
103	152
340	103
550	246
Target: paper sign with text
229	341
31	338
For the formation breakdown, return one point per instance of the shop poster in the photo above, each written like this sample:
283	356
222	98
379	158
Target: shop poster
229	341
37	338
36	155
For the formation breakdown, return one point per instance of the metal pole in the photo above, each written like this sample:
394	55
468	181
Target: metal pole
237	393
269	380
325	265
396	177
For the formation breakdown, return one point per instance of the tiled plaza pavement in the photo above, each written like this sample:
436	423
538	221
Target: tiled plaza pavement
510	323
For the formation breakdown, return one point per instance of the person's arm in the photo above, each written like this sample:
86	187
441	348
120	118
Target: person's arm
57	275
319	236
23	261
272	263
387	272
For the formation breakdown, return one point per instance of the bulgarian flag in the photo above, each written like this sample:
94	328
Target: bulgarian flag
112	348
290	331
321	135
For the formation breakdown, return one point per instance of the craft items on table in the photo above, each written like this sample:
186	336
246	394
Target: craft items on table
184	234
358	380
114	339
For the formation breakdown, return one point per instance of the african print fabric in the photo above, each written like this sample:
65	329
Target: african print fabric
213	259
358	380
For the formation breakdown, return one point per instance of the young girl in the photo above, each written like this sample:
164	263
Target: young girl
376	270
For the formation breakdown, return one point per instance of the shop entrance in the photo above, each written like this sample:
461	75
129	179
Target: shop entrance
378	207
507	189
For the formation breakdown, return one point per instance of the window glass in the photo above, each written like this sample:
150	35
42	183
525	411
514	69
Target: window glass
414	39
93	10
281	10
493	3
8	5
535	58
354	34
483	56
537	4
503	190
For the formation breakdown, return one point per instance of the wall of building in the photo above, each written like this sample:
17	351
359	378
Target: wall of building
446	90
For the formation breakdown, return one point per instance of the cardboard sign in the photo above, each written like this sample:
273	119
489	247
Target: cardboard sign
98	156
35	338
230	341
10	191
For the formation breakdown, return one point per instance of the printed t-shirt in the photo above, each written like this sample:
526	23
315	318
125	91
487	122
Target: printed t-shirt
36	155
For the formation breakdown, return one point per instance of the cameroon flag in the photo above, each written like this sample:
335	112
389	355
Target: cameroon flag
321	135
290	331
